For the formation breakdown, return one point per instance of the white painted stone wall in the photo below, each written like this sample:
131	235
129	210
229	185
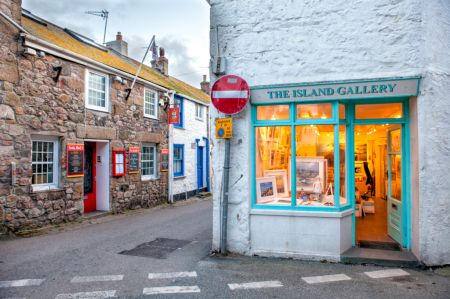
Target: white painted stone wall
192	129
292	41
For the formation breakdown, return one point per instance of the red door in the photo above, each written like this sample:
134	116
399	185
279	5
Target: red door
90	202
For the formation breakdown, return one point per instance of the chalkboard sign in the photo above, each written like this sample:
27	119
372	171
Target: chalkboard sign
75	160
134	160
164	160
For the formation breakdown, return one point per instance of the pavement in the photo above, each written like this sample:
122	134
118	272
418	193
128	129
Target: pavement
84	262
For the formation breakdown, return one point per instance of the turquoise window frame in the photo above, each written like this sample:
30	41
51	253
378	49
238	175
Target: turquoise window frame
350	121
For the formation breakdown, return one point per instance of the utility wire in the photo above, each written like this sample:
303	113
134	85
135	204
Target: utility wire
189	73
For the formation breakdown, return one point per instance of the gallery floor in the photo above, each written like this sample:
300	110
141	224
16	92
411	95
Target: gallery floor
373	227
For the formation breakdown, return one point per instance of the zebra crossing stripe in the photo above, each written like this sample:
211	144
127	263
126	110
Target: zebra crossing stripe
79	279
88	295
255	285
21	283
386	273
172	275
172	290
326	278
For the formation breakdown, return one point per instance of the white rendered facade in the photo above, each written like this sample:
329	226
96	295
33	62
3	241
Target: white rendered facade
193	128
297	42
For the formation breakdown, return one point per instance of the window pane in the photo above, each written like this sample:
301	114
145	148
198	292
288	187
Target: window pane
314	169
374	111
314	111
395	141
343	163
396	177
341	111
273	149
272	112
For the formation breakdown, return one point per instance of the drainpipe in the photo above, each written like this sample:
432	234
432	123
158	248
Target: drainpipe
207	163
198	179
171	95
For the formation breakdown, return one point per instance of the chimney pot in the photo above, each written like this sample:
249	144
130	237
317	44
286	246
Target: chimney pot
161	52
119	36
204	78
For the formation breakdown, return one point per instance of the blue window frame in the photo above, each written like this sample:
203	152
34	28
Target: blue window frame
178	160
178	103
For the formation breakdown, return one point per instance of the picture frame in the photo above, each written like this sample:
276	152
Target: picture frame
307	169
280	180
361	151
266	190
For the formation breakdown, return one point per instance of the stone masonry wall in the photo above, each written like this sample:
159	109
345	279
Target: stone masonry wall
31	103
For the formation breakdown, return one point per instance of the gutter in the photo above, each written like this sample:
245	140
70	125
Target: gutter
192	99
13	23
37	43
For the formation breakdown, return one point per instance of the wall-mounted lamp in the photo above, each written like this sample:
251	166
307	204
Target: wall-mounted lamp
124	82
118	79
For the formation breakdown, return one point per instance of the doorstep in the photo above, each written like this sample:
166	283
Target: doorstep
379	257
95	214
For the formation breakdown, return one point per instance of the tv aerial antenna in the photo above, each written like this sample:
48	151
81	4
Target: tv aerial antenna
104	14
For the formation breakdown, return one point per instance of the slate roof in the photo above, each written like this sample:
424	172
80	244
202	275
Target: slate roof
57	36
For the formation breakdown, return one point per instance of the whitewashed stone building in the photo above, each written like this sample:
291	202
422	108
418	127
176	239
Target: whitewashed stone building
361	90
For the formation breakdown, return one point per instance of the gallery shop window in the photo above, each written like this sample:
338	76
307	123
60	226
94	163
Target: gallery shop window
44	160
302	157
199	111
178	103
377	111
97	91
150	104
314	111
178	160
148	161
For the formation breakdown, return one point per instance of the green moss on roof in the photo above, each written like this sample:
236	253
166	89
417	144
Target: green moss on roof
57	36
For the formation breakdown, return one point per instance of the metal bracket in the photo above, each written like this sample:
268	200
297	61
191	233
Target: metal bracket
58	69
128	94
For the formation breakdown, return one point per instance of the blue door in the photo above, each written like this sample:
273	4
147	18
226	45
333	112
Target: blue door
200	166
396	192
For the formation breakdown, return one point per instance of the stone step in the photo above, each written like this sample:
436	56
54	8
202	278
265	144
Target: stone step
205	194
96	214
379	257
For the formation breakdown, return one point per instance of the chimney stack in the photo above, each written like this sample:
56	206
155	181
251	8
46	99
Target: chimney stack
119	45
204	86
163	64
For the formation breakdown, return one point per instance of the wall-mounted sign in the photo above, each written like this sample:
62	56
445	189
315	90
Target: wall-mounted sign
119	163
230	94
164	160
344	90
134	160
174	116
224	128
75	160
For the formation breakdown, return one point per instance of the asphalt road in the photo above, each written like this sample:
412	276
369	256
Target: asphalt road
55	260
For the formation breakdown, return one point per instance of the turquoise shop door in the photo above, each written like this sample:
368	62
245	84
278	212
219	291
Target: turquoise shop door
395	194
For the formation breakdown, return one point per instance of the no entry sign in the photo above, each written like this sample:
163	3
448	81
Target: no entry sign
230	94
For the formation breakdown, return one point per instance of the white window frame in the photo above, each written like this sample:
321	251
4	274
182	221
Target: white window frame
86	94
56	164
156	103
155	161
200	107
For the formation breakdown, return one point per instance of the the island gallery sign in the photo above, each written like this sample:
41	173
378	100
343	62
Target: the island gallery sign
345	90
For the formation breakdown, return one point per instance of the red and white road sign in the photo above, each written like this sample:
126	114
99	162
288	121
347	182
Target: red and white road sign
230	94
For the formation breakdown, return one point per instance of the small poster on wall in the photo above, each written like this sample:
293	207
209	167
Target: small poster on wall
134	160
75	160
164	160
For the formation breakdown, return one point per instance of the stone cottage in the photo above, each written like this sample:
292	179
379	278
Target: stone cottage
60	89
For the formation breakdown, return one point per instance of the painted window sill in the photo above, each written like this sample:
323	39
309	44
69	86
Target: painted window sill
199	119
45	189
179	177
151	117
97	109
304	213
179	128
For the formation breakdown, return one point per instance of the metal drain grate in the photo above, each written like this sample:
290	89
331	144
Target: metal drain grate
158	249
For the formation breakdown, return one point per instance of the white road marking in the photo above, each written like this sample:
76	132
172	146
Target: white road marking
386	273
88	295
79	279
255	285
326	278
171	290
230	94
21	283
172	275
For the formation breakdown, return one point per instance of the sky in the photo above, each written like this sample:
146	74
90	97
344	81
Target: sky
181	27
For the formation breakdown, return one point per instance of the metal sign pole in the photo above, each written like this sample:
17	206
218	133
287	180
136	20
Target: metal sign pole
226	169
